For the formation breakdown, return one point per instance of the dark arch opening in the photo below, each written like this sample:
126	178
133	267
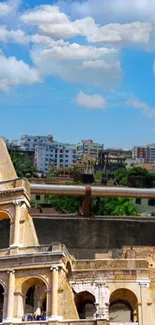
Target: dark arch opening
69	270
4	230
35	303
85	304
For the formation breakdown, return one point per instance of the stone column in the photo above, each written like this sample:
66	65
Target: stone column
17	223
54	297
48	303
11	289
4	306
102	301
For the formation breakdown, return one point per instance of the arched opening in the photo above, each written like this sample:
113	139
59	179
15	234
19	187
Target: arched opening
85	304
123	306
69	270
1	302
34	290
4	229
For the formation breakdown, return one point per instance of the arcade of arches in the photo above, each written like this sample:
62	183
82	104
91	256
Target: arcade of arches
122	307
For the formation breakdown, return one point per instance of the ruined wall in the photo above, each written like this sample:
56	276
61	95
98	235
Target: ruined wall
96	237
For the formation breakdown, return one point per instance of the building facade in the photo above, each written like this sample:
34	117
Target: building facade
57	155
88	147
28	142
75	269
144	154
110	160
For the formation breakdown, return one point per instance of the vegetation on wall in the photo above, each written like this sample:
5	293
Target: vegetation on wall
99	206
121	175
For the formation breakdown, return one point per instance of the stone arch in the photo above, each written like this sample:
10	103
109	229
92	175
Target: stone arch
85	304
5	214
123	306
34	291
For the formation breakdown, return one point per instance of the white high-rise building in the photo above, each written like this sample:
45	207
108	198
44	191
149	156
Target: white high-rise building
28	142
57	154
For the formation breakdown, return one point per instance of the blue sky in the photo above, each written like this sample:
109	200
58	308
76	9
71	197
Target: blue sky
79	70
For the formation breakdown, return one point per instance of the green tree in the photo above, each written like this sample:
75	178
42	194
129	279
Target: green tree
65	203
113	206
122	175
124	207
23	169
99	206
53	172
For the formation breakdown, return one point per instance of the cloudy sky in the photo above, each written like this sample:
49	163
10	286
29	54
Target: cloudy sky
78	69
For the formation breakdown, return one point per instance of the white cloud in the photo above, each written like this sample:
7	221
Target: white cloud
4	9
111	11
145	108
52	22
7	7
80	64
135	33
45	15
14	73
15	36
83	27
90	101
45	40
75	51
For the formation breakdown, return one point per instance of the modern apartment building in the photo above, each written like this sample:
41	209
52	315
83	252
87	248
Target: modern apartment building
144	154
88	147
139	154
28	142
57	154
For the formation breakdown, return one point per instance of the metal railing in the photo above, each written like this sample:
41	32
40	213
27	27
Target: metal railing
98	191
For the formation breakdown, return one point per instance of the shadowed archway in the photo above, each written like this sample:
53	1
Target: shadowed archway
34	290
4	229
123	306
85	304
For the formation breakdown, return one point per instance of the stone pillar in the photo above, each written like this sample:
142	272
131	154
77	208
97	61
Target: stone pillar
48	303
54	297
102	301
142	310
4	306
17	223
19	304
11	289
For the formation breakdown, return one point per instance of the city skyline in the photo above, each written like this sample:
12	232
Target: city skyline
68	68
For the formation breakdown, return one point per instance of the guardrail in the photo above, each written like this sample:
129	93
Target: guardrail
99	191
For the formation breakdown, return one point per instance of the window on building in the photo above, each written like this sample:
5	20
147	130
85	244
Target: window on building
37	197
61	160
151	202
138	201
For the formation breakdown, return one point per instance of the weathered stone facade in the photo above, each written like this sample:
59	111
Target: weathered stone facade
93	277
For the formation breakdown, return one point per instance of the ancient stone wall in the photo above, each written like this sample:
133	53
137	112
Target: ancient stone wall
90	238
